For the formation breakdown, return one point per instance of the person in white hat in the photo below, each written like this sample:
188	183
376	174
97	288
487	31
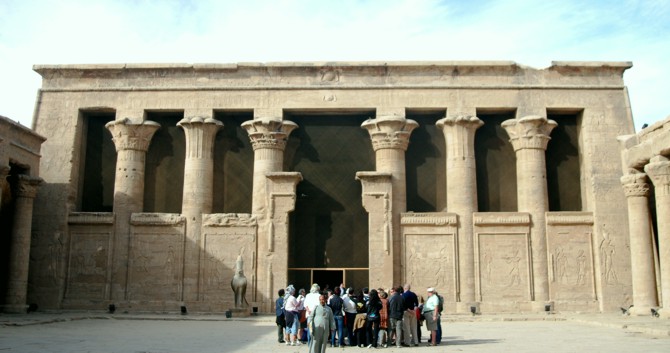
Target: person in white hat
431	314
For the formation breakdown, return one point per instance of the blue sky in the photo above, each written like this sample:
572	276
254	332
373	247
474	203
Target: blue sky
532	33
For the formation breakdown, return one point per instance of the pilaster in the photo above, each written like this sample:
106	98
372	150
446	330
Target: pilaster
459	135
658	171
132	142
529	137
200	132
4	171
19	255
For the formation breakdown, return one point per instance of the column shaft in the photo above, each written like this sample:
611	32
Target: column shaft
390	137
268	137
459	135
198	195
132	142
659	173
641	247
529	137
19	255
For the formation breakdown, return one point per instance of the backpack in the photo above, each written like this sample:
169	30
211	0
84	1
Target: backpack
440	304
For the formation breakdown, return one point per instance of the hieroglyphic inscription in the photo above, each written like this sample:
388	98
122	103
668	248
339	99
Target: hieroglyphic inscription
503	266
571	275
430	262
155	266
88	268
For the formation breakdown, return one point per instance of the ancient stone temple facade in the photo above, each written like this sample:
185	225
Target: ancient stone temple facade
495	183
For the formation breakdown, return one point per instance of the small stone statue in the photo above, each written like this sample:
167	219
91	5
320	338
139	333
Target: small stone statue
239	284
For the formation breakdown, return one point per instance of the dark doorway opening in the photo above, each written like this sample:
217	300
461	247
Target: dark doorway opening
328	279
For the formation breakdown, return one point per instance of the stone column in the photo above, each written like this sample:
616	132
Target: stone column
19	255
658	171
198	194
268	138
643	270
459	135
529	137
390	137
132	142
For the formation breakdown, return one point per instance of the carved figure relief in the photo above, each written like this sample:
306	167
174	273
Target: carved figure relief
514	273
609	250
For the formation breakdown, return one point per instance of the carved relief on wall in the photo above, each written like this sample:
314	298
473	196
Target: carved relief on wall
155	266
88	265
570	262
502	265
221	248
430	262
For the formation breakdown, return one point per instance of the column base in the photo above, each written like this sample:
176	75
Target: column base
641	310
471	308
14	308
547	307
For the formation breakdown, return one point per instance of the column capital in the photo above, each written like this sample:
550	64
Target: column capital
658	171
390	131
199	133
27	186
464	120
269	133
635	185
132	136
4	171
529	132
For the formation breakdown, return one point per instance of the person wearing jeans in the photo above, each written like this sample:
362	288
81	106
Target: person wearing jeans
336	304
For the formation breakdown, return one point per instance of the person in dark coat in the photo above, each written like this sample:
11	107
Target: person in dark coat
396	311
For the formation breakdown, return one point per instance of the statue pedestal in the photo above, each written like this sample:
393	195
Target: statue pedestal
239	312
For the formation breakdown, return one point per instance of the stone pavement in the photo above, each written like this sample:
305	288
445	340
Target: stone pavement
171	333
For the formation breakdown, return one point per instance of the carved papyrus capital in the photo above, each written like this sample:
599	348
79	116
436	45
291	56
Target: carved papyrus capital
268	133
459	134
530	132
658	171
635	185
26	186
390	131
200	133
130	136
4	171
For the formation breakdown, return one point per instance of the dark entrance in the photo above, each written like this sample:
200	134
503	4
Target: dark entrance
329	226
328	278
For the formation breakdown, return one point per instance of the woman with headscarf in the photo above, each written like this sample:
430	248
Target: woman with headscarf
291	316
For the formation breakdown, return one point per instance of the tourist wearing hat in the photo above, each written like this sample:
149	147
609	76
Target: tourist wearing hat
431	314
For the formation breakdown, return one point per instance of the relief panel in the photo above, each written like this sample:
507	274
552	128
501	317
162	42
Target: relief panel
502	265
155	265
571	263
430	262
221	248
88	265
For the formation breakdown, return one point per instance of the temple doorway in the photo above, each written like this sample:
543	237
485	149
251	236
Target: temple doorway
328	229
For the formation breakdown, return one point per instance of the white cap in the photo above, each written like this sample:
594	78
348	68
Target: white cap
431	290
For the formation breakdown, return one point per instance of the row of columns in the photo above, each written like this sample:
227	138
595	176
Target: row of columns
390	138
643	269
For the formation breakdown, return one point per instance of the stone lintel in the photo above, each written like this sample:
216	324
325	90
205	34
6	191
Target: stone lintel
90	218
501	218
428	219
229	220
569	218
156	219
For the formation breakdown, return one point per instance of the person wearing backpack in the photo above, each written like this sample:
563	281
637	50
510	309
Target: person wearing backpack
440	307
373	318
336	304
431	314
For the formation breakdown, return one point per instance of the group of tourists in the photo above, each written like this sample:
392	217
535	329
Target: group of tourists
369	318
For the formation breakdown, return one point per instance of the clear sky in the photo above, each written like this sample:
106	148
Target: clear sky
530	32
